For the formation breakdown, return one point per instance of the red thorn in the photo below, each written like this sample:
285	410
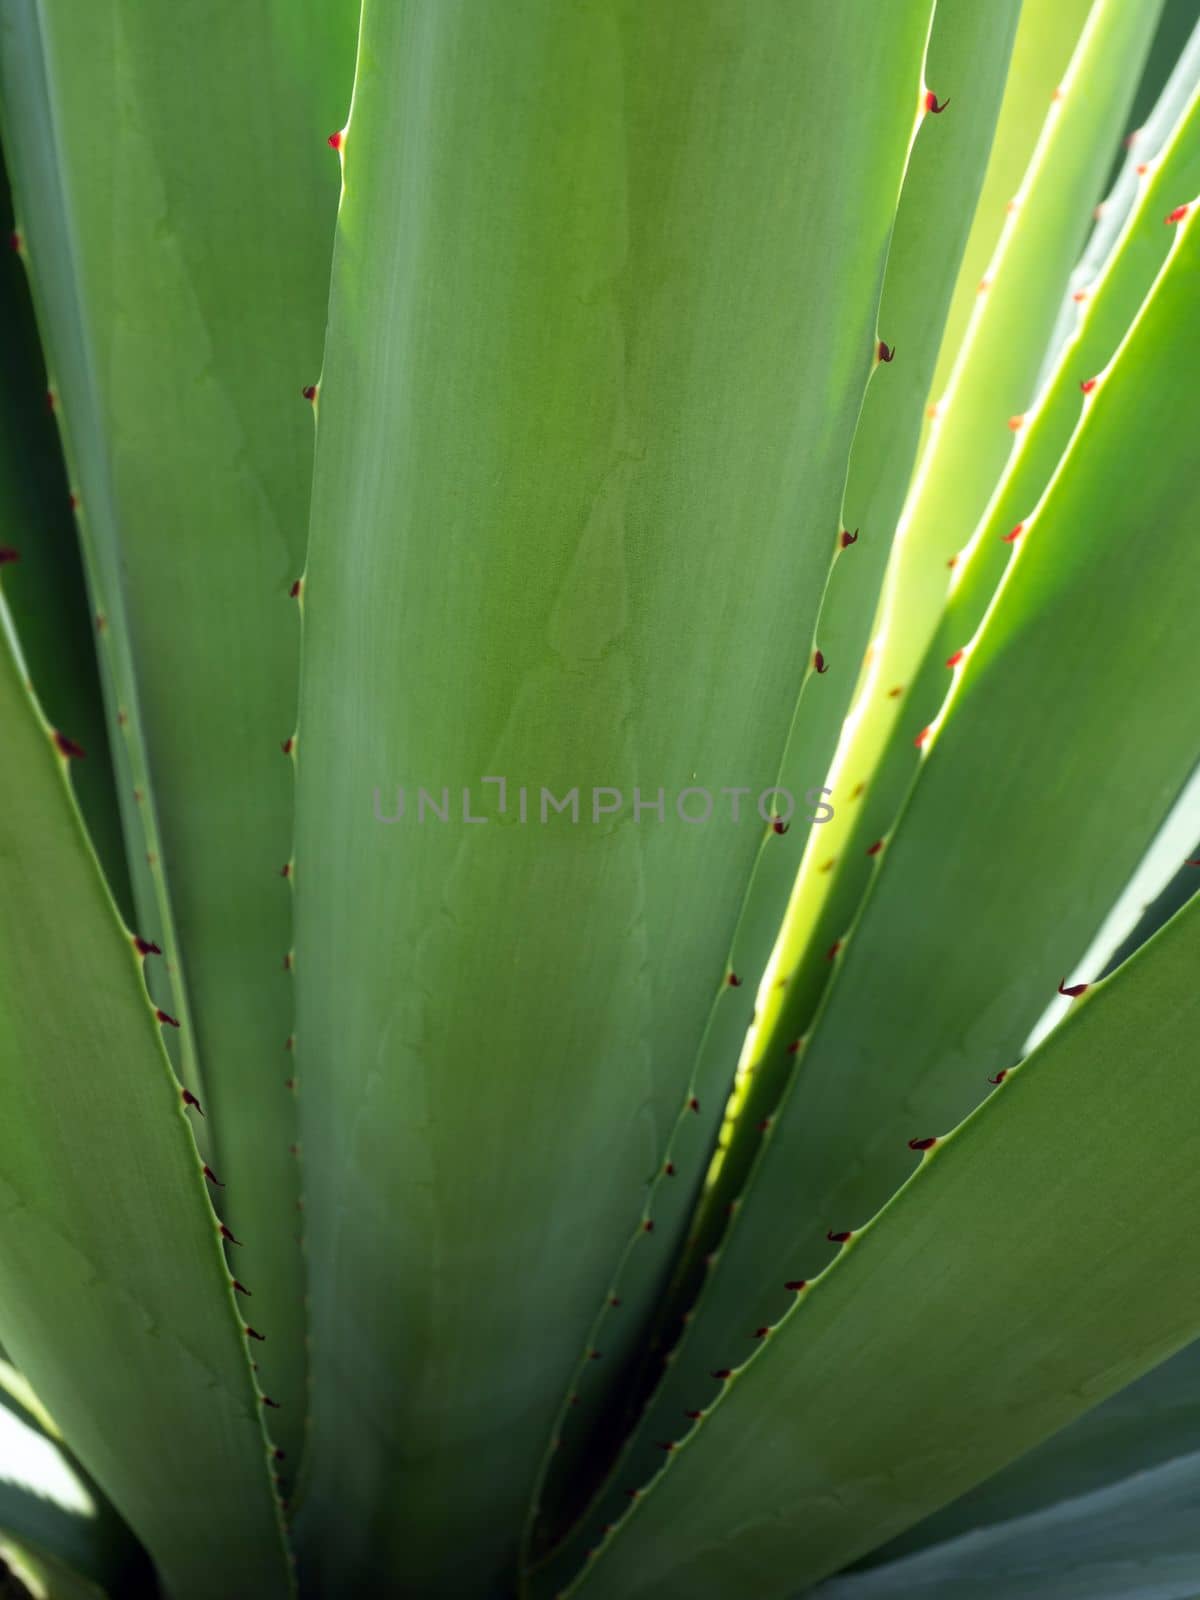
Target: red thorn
724	1373
780	826
922	738
145	947
1071	991
68	747
849	538
1000	1076
51	401
14	241
953	661
795	1047
189	1099
335	140
615	1302
819	662
251	1333
921	1144
647	1226
837	1238
874	849
73	501
885	352
1195	863
240	1288
1015	424
166	1018
833	950
309	391
693	1416
952	563
1011	538
1080	296
8	555
287	745
1088	385
633	1494
274	1404
1142	168
796	1285
285	870
669	1169
594	1355
294	591
211	1176
225	1234
734	981
1177	215
693	1104
931	104
665	1445
761	1333
764	1125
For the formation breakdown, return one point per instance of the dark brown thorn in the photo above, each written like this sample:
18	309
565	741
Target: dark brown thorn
285	870
665	1444
294	591
734	981
1000	1076
693	1104
819	662
595	1355
838	1238
669	1169
280	1455
831	953
225	1234
693	1416
886	352
68	747
647	1226
922	1144
309	391
287	746
614	1301
761	1333
849	538
145	947
189	1099
724	1373
165	1017
874	849
932	106
1071	991
211	1176
252	1333
240	1288
274	1404
796	1284
8	555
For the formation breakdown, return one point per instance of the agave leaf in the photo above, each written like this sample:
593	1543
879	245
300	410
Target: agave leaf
43	580
956	952
1138	1539
179	197
48	1504
966	59
846	1425
541	550
1144	1425
813	926
110	1260
990	388
1046	38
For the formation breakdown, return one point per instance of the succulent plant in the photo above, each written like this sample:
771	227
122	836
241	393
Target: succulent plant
597	952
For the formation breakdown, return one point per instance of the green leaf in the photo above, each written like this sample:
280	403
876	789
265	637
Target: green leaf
1144	1425
1138	1539
49	1504
560	371
984	1290
179	199
110	1262
42	577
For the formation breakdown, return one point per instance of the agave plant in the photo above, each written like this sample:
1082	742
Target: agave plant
531	912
